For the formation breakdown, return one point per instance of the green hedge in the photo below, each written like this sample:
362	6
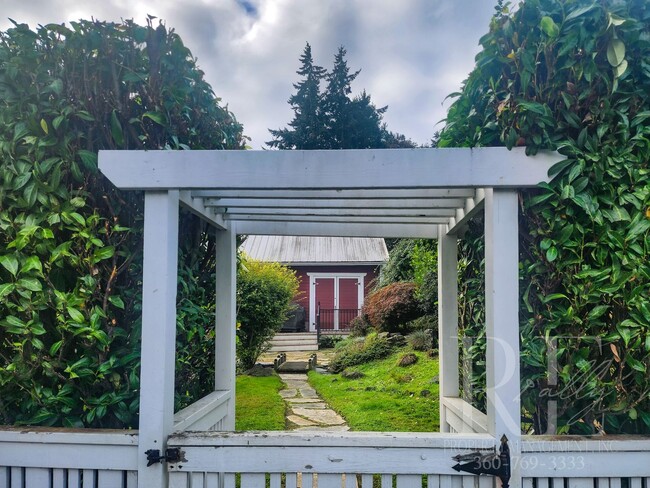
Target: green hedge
575	77
70	243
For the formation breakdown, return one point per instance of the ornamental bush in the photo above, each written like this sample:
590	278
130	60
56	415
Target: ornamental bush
71	243
390	308
264	295
575	77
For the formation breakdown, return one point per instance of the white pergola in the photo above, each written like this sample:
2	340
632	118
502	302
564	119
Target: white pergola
424	193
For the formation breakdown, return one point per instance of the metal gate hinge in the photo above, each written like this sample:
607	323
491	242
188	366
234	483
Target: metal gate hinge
491	464
172	455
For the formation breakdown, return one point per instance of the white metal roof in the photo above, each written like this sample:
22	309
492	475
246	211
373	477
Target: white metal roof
316	250
355	193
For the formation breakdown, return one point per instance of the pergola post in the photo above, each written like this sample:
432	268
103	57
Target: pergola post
502	320
226	320
159	282
447	319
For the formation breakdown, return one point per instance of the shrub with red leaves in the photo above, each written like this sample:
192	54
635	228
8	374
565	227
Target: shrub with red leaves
390	308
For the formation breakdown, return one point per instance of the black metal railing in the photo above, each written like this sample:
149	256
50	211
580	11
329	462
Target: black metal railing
327	319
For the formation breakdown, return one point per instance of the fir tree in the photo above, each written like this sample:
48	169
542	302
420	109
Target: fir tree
306	128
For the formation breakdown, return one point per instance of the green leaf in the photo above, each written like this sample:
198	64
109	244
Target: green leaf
157	117
616	214
31	284
578	12
104	253
15	321
620	69
117	301
44	126
6	289
76	315
614	20
31	193
54	348
597	311
635	364
549	27
551	254
89	159
615	52
32	262
10	263
638	228
116	130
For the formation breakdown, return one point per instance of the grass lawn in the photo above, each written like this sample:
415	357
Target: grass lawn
258	405
388	398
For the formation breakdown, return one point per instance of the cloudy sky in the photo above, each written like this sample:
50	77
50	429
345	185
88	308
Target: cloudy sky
412	53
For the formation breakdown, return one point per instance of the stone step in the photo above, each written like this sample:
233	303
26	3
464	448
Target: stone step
297	347
294	341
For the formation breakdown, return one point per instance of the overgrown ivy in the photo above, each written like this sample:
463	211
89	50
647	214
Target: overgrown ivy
573	76
70	243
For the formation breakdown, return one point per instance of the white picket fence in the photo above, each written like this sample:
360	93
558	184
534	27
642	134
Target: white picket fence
61	458
66	458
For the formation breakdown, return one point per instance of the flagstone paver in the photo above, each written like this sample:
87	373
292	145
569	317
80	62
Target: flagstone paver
306	410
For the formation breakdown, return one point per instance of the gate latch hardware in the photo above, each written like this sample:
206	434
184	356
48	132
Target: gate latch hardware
492	464
172	455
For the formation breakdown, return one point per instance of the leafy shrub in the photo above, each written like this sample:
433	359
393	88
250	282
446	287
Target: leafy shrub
70	243
359	326
264	294
571	76
353	352
391	307
327	341
420	340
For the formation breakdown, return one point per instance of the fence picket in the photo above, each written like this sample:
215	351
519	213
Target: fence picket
131	479
329	480
386	481
409	481
178	479
602	483
110	478
636	482
229	480
275	480
253	480
291	480
74	478
17	478
212	480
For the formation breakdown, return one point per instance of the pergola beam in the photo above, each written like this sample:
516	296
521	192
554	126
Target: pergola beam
235	213
387	203
336	229
299	194
459	221
320	219
343	169
197	207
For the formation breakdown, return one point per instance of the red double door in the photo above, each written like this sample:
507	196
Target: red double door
337	299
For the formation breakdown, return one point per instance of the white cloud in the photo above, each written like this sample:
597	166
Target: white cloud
412	53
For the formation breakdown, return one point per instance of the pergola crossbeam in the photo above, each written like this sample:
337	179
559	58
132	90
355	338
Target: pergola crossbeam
336	229
386	203
334	170
463	215
197	207
337	194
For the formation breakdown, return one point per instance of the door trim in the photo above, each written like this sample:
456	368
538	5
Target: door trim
361	279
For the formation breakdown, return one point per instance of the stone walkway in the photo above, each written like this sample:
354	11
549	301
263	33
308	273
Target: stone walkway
307	411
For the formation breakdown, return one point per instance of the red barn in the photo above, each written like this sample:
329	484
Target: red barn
335	273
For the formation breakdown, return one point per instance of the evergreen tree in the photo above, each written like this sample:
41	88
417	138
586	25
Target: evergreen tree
337	104
333	119
306	129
